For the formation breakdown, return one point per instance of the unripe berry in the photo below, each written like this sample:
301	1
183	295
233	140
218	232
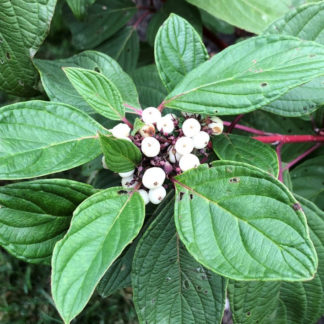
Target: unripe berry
153	178
174	156
184	145
216	125
128	182
144	195
121	130
191	127
157	195
126	174
188	161
151	115
166	125
201	140
147	130
150	146
104	164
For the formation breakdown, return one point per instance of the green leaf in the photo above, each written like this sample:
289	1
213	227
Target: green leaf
23	28
102	21
307	179
178	50
169	285
123	47
41	137
120	155
79	7
245	149
102	226
138	124
35	215
251	15
248	75
247	210
59	88
306	23
216	25
99	92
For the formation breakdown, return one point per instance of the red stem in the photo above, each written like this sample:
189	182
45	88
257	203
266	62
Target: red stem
136	111
234	123
289	138
124	119
141	18
161	106
247	129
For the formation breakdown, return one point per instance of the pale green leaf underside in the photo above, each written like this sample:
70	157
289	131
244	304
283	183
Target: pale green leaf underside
35	215
41	137
248	75
242	223
245	149
178	50
98	91
169	285
79	7
102	226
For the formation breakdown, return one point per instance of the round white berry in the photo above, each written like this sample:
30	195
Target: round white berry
174	156
147	130
188	161
184	145
151	115
216	125
104	164
126	174
172	117
120	130
157	195
191	127
166	125
201	140
153	178
144	195
128	182
150	146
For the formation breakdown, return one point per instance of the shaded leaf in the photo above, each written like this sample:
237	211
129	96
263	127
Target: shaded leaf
79	7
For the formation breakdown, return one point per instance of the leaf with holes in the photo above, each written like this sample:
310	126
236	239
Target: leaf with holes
232	217
99	92
248	75
169	285
102	226
35	215
41	137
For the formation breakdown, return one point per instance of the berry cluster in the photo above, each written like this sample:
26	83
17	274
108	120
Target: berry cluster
170	145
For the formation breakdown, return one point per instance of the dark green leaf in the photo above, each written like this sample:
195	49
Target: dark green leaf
216	25
79	7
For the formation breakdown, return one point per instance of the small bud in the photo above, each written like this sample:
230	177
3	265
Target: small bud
150	146
216	125
144	195
184	145
121	130
126	174
188	161
201	140
166	125
167	167
153	178
191	127
129	182
104	164
174	156
151	115
157	195
147	130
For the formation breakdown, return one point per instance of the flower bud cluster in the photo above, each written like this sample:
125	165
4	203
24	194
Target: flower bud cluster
170	145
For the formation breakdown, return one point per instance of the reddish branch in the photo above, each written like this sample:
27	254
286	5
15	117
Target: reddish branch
278	138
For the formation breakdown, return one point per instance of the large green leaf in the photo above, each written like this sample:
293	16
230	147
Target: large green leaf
216	25
99	92
41	137
102	21
102	226
79	7
23	27
307	179
178	50
248	75
242	223
251	15
169	285
35	215
59	88
245	149
305	22
120	155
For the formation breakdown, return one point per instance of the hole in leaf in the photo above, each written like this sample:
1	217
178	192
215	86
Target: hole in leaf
191	196
248	314
168	278
234	180
206	292
8	55
264	84
97	69
185	284
181	195
198	288
122	192
21	83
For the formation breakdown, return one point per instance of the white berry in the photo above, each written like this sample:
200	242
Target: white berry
121	130
147	130
191	127
150	146
104	164
188	161
184	145
144	195
157	195
126	174
174	156
216	125
127	182
201	140
151	115
153	178
172	117
166	125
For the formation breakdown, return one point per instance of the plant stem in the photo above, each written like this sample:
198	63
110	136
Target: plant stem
289	138
278	151
234	122
136	111
141	18
161	106
124	119
247	129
